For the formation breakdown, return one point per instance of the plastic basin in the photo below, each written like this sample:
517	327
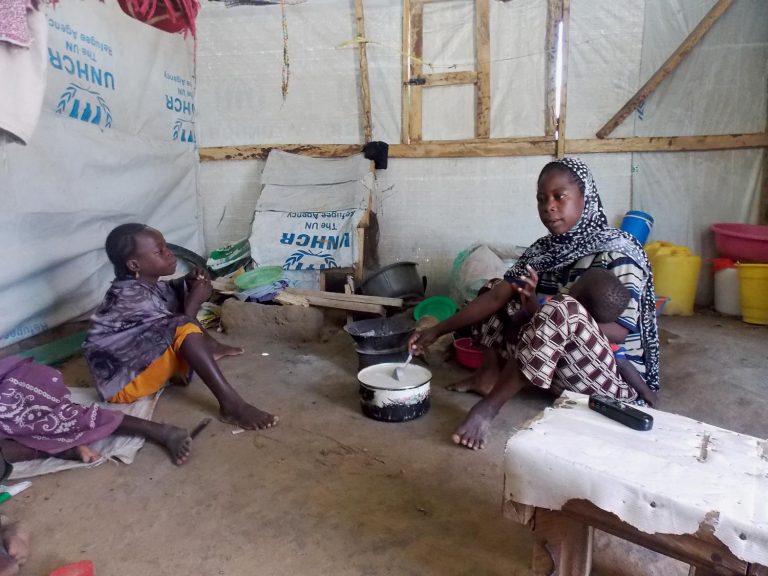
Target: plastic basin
468	354
261	276
440	307
743	242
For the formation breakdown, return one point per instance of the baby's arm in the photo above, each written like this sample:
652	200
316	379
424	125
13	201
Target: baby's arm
631	376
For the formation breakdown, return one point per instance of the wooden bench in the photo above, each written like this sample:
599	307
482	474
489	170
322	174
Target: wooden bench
563	532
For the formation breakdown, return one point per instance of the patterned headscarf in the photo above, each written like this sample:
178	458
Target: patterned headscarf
590	235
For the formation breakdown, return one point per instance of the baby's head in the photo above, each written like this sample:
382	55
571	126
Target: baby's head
602	294
139	250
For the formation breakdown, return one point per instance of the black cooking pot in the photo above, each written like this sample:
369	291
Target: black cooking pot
399	280
379	334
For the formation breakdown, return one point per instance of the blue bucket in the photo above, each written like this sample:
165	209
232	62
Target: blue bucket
638	224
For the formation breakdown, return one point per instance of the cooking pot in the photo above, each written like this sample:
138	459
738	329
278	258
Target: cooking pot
384	398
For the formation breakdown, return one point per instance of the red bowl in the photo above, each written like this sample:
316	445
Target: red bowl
468	354
743	242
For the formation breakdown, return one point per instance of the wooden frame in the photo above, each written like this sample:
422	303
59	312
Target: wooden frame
415	80
667	68
554	142
563	541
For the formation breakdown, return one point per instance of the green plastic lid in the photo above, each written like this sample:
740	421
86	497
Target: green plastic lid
440	307
260	276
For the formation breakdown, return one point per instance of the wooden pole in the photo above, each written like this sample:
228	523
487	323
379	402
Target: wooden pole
554	14
405	75
667	68
483	63
416	67
365	93
564	80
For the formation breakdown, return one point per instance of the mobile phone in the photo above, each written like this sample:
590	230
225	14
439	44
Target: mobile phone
519	282
621	412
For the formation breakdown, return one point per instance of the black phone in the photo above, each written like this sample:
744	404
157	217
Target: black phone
519	282
621	412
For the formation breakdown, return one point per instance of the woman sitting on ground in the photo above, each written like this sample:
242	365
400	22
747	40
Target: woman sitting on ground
557	344
145	332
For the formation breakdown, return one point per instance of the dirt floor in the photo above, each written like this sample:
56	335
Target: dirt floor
330	491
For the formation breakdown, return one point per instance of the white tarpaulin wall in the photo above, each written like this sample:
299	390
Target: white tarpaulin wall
115	144
430	209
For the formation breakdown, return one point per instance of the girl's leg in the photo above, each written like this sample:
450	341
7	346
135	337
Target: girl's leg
175	440
233	409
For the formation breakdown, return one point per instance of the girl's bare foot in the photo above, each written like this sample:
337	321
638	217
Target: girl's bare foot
248	417
178	443
87	454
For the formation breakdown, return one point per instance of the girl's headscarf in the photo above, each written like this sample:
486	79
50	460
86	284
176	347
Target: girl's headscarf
592	234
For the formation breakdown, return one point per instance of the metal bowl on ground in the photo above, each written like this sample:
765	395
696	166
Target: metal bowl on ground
378	334
399	280
387	399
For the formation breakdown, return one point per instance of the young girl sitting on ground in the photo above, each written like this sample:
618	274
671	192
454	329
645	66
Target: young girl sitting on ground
145	332
605	298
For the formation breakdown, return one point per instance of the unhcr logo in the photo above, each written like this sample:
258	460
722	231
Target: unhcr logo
84	105
184	130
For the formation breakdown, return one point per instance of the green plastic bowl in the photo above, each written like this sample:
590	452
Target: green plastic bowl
440	307
257	277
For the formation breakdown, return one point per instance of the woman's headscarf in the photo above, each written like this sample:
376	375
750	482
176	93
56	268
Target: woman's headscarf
592	234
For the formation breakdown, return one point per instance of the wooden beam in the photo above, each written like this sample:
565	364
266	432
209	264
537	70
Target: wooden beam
566	19
416	69
667	68
449	78
668	143
533	146
359	298
295	300
554	15
365	92
261	151
483	63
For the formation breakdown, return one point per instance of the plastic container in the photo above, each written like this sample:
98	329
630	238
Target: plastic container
676	275
753	289
727	299
468	354
742	242
440	307
639	224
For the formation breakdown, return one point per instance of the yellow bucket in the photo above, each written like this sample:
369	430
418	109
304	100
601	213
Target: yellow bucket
753	290
676	275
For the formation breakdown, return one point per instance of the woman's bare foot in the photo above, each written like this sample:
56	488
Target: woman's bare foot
247	417
482	380
178	443
474	430
479	383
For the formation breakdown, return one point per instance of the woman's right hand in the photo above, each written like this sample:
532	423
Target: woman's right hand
421	340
